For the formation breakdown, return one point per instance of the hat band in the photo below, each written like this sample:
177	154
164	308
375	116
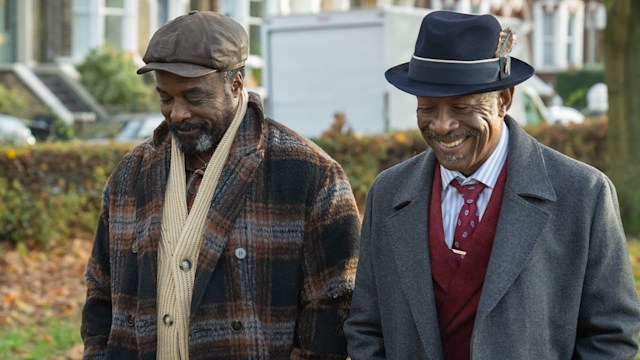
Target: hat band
456	72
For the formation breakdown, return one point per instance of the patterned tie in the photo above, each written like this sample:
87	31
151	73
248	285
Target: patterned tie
468	217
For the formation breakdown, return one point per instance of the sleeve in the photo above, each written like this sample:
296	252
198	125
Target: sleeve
96	314
330	261
363	328
609	318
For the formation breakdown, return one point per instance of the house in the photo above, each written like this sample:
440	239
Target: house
41	40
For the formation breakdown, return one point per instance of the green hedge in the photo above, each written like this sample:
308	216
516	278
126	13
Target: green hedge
52	191
573	86
586	142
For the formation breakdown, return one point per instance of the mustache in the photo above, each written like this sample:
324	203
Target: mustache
451	135
188	126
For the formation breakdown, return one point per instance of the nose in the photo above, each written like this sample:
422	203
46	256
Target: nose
442	122
179	111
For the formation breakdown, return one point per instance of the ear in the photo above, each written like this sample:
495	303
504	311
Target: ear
237	84
504	101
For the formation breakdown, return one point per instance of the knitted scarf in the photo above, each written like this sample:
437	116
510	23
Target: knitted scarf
181	238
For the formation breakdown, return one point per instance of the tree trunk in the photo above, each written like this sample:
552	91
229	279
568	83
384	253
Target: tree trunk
622	75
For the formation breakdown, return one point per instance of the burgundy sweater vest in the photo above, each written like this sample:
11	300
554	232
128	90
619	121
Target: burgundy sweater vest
457	282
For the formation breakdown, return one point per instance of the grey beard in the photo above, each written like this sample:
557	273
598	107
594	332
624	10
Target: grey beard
451	158
203	143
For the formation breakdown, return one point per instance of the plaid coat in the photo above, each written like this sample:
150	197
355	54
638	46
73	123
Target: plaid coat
276	266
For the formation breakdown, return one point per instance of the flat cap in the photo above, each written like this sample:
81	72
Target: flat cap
197	44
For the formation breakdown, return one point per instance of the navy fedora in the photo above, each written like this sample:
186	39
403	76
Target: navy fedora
458	54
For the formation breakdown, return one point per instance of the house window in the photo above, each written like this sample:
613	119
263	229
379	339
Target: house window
256	13
548	39
571	38
450	5
8	27
113	23
250	15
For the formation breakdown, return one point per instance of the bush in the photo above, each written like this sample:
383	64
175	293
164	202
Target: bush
11	102
363	157
586	142
53	191
573	86
110	76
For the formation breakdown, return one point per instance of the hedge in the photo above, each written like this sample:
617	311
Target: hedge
52	190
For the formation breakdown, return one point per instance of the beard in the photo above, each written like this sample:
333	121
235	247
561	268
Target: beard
204	139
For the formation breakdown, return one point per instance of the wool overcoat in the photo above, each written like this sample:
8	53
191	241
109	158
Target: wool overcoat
276	266
558	284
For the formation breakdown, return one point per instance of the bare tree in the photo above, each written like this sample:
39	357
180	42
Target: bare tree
622	75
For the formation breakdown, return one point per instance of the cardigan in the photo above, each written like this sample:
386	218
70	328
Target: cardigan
457	282
276	266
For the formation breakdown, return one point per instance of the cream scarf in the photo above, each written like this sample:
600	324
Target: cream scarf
181	238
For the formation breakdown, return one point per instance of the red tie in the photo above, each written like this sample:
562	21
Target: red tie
468	217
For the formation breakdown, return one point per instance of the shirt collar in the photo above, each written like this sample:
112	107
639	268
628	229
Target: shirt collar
488	171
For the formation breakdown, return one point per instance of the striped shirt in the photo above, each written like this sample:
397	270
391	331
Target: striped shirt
487	174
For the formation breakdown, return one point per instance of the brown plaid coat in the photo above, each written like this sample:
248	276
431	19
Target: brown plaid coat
282	200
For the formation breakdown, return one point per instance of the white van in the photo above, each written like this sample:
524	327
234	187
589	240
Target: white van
317	65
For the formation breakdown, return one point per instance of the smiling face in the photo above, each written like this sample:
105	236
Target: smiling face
463	131
198	110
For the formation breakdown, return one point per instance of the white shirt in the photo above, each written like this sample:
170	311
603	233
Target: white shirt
487	174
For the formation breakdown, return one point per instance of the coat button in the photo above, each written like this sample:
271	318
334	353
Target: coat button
167	320
236	326
134	247
241	253
185	265
131	319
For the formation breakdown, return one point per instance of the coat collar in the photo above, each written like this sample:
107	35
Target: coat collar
521	220
409	223
246	154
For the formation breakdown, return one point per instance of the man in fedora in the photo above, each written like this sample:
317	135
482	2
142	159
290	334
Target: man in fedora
226	235
489	245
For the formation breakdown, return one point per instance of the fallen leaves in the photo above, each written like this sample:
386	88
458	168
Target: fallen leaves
41	284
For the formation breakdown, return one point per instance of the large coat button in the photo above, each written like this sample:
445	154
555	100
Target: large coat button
131	319
167	320
236	325
241	253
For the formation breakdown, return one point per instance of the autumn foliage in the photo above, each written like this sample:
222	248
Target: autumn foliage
51	192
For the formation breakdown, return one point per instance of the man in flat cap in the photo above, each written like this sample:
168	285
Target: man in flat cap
226	235
489	245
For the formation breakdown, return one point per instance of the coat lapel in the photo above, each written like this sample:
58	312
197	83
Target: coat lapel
408	228
521	222
151	189
245	156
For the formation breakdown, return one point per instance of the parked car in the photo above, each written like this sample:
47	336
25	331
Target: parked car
565	115
122	128
14	130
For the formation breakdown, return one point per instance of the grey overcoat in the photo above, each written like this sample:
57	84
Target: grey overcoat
558	284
